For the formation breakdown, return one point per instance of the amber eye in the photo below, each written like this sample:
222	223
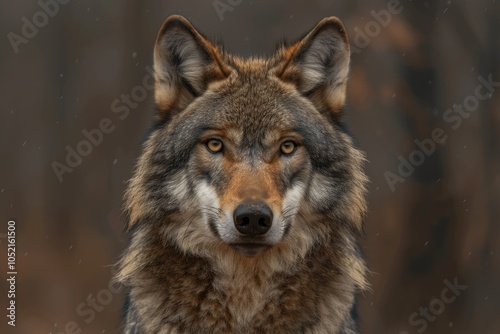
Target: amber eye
214	145
288	147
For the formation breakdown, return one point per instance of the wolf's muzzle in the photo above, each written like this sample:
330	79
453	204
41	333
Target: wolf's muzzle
253	218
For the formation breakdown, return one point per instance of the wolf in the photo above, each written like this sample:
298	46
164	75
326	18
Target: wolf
246	207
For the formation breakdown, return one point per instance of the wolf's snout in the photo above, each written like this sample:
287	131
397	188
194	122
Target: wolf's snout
253	218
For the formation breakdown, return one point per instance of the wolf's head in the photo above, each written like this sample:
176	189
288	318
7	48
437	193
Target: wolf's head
249	155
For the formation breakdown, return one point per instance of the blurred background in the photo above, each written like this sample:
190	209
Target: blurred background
423	98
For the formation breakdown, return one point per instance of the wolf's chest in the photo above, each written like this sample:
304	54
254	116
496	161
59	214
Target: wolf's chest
244	298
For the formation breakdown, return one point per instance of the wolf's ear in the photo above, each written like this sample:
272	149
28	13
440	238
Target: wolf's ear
185	64
318	65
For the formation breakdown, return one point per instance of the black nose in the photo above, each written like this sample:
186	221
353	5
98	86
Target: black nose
253	218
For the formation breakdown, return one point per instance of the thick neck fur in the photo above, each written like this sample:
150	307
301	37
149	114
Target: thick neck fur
172	292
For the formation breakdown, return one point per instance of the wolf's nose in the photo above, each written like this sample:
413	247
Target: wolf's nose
253	218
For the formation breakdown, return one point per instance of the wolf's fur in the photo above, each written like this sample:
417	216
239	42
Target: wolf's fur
182	273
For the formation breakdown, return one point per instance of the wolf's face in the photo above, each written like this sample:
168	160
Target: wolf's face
250	164
248	155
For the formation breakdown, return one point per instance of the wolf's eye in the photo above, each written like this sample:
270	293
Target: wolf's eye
214	145
288	147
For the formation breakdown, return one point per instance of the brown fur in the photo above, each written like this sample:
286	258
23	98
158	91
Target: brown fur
183	274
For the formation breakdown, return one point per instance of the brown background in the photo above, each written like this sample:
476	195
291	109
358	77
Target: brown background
441	223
